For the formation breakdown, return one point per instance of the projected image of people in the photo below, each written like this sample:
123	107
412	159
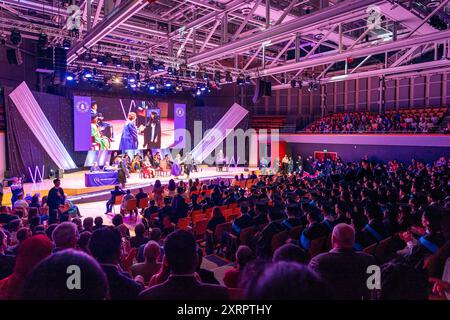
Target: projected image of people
121	124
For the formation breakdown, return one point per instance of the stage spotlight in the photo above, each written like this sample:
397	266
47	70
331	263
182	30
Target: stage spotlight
293	83
70	76
193	75
87	73
168	84
205	76
66	44
240	80
228	77
100	60
117	62
15	37
198	92
137	67
248	80
152	87
161	67
217	76
169	70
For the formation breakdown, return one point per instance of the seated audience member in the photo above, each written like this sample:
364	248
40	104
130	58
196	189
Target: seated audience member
128	196
181	254
403	282
65	236
375	230
167	226
217	218
105	246
343	268
117	222
151	265
21	235
233	276
88	224
291	220
244	221
179	206
288	281
35	201
20	202
206	276
83	241
141	195
7	261
112	200
98	223
264	238
290	253
139	238
47	282
429	241
32	251
314	230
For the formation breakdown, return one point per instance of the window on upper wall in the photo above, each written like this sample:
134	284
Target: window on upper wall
351	95
419	92
435	90
403	94
362	94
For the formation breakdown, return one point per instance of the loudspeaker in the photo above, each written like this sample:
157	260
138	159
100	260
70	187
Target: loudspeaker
259	89
44	60
267	89
14	56
60	62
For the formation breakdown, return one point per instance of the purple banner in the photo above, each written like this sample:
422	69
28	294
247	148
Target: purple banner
82	123
179	125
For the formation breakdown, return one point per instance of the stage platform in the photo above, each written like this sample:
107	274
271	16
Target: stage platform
75	189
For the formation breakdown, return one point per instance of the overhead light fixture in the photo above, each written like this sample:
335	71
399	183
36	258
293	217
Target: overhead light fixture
117	62
66	44
42	41
161	67
87	73
169	70
152	87
248	80
193	75
228	77
205	76
293	83
15	37
137	66
217	76
70	76
240	80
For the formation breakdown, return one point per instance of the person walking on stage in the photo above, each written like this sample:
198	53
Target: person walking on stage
122	173
188	165
56	198
285	164
129	139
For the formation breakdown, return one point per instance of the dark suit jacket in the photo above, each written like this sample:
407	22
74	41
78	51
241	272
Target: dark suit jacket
152	144
121	286
54	201
346	271
185	288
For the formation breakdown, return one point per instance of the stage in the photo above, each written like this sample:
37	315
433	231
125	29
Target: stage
74	184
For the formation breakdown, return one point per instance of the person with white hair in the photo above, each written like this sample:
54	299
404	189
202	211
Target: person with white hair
65	236
343	267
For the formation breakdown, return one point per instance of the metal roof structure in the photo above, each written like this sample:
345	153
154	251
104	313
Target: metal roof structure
324	40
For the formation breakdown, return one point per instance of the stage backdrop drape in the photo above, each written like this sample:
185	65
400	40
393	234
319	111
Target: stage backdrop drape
24	150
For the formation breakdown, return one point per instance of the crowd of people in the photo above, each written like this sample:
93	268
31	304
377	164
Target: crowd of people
411	120
353	206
